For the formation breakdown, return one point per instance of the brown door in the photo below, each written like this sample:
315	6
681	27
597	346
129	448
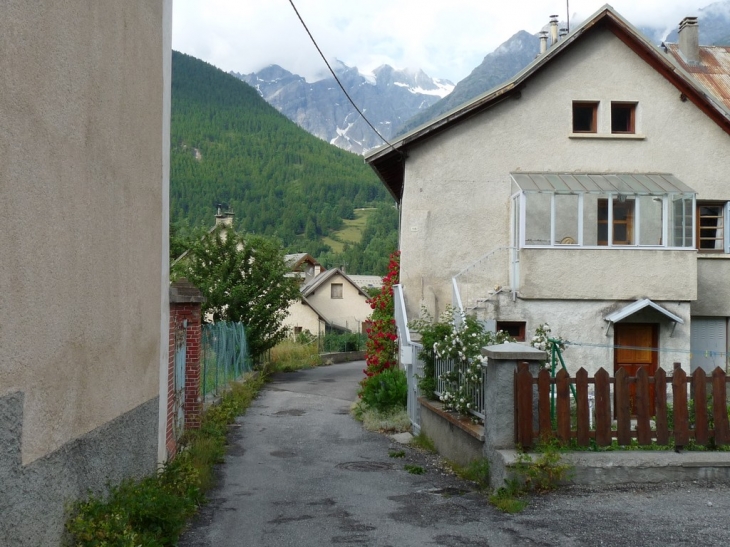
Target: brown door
634	344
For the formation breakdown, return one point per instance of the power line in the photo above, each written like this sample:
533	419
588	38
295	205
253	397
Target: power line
338	80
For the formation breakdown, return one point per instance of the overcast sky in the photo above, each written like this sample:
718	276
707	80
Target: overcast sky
447	39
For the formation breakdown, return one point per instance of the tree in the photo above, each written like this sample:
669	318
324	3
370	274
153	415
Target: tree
243	278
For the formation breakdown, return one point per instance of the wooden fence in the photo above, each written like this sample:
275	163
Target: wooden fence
641	399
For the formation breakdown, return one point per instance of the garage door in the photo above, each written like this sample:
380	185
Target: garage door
709	343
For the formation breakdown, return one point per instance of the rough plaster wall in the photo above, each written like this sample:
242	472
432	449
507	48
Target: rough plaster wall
622	274
34	497
583	322
713	286
350	311
456	203
81	186
301	315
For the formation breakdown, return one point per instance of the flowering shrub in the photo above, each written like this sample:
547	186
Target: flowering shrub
461	345
544	341
381	349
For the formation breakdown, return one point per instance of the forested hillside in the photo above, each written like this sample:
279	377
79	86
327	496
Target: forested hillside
229	146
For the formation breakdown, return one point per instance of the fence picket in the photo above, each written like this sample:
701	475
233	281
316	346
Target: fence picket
719	407
603	408
562	380
623	406
582	410
660	394
543	404
643	412
523	385
681	414
699	387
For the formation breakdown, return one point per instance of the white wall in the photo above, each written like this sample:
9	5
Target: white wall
456	204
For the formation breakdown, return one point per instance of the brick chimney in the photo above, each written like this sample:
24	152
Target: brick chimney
689	40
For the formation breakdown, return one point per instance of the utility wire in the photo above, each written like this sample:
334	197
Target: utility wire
339	82
706	353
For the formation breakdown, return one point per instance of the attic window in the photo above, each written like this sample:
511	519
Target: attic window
336	290
585	116
623	117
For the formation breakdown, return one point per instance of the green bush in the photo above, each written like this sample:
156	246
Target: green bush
386	390
150	512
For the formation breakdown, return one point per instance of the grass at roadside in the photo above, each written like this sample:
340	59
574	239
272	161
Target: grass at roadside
154	510
394	420
289	356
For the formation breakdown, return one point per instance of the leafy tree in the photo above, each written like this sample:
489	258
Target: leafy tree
242	277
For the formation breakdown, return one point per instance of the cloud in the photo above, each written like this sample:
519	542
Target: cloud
445	39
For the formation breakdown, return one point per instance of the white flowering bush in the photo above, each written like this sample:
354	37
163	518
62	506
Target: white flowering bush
461	345
544	340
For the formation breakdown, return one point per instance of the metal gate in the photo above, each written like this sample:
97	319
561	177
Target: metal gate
178	423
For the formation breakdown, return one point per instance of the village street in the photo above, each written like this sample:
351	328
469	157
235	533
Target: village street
301	471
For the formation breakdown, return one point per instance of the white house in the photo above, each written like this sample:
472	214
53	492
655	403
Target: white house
590	192
330	300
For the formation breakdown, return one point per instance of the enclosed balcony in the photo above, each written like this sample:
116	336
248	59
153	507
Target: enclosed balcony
604	236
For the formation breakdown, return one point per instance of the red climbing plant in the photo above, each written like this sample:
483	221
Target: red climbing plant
382	344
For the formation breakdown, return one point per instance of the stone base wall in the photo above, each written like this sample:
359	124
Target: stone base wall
34	498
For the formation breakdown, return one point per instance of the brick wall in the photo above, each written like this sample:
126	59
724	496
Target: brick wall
185	321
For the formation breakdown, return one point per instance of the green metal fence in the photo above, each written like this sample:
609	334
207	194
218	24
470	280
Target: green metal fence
224	356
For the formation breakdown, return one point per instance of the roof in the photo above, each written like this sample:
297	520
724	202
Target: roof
317	281
389	161
294	260
637	306
653	184
367	280
713	70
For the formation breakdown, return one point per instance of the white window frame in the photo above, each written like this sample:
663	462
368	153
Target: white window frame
519	222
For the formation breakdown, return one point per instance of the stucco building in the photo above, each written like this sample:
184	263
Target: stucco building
329	300
590	192
85	108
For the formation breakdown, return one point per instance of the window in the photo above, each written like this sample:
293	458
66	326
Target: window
711	227
585	116
623	117
622	216
297	331
516	329
336	290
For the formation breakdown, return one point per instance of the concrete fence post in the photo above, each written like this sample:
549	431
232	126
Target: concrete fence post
185	319
499	403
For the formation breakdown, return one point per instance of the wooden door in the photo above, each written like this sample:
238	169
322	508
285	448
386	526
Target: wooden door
636	345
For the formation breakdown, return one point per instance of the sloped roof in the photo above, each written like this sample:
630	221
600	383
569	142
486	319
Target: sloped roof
650	184
713	70
295	260
639	305
317	281
389	161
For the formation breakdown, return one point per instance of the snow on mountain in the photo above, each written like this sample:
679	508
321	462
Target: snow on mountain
388	96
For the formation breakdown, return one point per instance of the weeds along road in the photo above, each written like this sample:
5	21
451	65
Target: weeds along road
301	472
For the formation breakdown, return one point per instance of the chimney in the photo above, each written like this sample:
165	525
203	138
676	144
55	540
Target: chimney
689	40
543	41
562	34
553	30
224	219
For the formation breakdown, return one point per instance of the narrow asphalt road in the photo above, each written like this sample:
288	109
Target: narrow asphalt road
301	471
